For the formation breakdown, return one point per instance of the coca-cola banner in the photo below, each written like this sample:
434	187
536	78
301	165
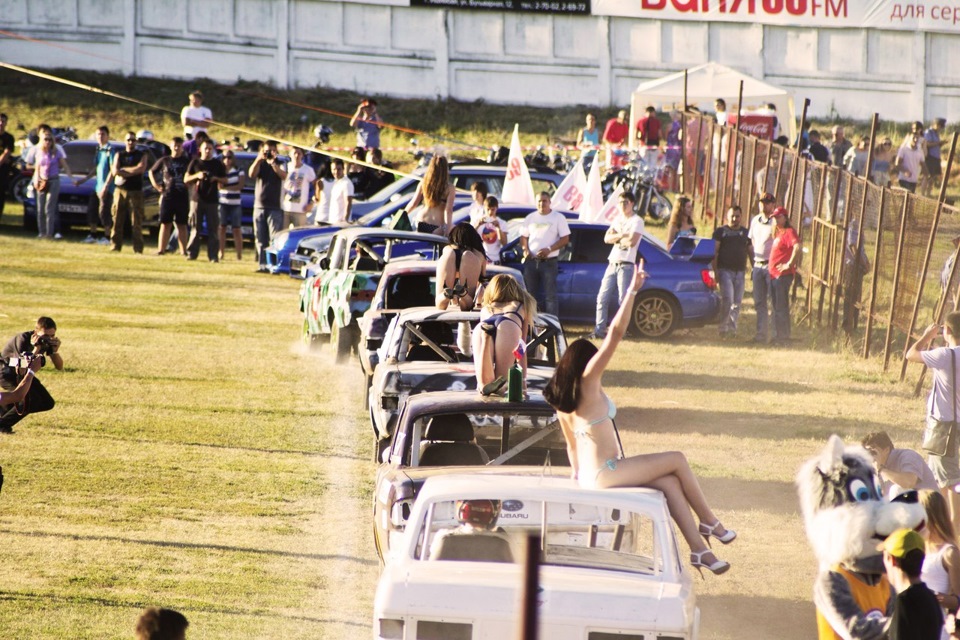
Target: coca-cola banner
754	124
932	15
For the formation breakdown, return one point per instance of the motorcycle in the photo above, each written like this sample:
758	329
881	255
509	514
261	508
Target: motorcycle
644	182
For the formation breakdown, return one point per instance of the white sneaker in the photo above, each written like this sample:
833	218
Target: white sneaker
103	241
89	240
57	236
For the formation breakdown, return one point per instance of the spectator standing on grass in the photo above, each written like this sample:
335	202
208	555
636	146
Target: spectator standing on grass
321	197
624	233
733	248
48	161
785	254
940	403
615	138
43	341
933	144
882	154
916	611
101	200
543	234
195	117
899	469
761	239
648	134
855	267
341	194
296	190
819	152
161	624
191	146
910	162
492	229
230	208
377	179
856	159
268	174
129	165
368	124
840	146
208	174
588	138
7	147
174	195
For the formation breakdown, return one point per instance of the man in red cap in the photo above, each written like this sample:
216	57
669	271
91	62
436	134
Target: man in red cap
784	258
761	237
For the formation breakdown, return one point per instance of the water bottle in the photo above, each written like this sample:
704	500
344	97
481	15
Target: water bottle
515	383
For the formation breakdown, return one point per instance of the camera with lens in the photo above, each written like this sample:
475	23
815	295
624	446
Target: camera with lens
268	155
43	343
24	360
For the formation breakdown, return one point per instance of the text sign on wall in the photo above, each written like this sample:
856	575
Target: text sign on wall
579	7
923	15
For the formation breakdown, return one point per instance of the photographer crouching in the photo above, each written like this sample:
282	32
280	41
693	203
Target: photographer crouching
20	358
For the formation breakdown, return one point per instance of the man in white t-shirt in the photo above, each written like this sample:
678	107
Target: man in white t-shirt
296	190
624	234
195	117
761	238
910	163
544	233
492	230
341	194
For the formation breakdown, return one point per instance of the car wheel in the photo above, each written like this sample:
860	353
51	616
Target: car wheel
18	188
311	340
659	208
655	315
342	340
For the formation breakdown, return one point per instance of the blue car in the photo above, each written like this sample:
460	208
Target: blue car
681	290
74	201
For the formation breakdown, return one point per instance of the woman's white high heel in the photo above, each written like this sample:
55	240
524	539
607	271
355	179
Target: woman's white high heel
708	531
717	567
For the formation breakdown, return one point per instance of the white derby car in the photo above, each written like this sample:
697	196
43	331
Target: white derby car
610	566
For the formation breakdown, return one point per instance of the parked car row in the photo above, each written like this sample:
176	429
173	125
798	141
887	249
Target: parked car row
464	480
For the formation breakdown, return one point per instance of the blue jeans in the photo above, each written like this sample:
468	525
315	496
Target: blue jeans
266	224
615	281
542	273
48	208
780	292
761	291
731	296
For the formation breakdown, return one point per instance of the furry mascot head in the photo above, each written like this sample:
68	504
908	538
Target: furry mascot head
846	518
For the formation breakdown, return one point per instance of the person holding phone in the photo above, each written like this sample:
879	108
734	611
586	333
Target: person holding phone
586	414
368	124
624	234
268	174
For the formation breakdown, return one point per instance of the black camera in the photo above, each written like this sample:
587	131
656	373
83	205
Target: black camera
43	342
268	155
24	360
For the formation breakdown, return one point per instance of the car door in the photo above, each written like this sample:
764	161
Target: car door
579	272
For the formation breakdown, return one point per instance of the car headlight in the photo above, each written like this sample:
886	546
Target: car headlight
390	628
391	384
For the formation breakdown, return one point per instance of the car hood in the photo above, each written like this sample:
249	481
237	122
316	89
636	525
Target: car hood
568	596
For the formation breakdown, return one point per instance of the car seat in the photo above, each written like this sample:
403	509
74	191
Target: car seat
473	547
450	443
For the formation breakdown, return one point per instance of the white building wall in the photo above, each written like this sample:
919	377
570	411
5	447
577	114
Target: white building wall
392	49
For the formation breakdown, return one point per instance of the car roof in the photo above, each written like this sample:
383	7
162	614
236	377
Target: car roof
470	486
418	314
461	401
354	232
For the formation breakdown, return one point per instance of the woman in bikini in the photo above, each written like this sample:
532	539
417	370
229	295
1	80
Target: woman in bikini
505	319
437	194
460	268
587	419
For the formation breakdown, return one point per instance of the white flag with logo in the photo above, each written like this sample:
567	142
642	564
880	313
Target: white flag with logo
569	195
517	188
593	202
610	210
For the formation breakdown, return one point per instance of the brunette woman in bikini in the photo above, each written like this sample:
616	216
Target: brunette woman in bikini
460	268
437	194
587	418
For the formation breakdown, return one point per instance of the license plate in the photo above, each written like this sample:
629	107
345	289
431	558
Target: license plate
246	231
73	208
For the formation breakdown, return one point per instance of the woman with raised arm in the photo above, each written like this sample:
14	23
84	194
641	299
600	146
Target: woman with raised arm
437	193
587	415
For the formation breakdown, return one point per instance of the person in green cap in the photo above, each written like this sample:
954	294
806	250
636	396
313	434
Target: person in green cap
916	612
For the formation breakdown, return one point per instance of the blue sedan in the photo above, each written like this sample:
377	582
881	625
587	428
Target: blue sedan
681	290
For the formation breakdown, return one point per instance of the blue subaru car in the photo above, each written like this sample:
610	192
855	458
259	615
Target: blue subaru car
680	292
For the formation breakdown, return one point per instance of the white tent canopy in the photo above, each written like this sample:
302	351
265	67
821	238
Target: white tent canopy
706	83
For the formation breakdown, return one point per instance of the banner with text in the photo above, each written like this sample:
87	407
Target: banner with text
922	15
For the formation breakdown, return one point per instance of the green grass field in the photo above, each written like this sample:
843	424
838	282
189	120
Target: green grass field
200	458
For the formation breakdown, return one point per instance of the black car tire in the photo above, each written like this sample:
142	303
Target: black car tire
342	340
655	315
18	188
311	340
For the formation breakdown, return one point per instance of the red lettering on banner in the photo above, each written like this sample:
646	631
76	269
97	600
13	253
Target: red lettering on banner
656	5
751	6
514	171
576	202
684	6
796	7
772	6
920	10
839	8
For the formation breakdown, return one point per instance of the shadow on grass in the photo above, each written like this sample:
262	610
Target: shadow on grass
52	599
730	494
699	382
740	424
191	545
740	616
